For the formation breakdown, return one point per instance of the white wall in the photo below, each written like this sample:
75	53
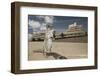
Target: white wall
5	33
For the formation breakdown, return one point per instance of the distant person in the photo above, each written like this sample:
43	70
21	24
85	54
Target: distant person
54	34
62	35
48	39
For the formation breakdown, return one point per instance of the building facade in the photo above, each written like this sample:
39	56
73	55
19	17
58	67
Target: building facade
75	30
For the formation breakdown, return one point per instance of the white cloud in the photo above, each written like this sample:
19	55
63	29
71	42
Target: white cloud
40	17
34	24
43	27
49	19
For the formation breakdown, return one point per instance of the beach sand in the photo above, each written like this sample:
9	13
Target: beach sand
69	50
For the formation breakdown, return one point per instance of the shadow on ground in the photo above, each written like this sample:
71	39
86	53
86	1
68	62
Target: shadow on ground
53	54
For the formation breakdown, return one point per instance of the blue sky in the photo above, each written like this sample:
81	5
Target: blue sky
59	23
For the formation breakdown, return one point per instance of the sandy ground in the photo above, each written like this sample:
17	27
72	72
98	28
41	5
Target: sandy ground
67	49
